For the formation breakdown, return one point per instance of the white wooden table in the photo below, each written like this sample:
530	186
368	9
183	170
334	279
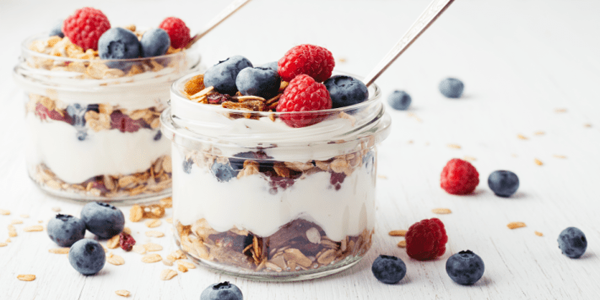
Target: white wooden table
520	61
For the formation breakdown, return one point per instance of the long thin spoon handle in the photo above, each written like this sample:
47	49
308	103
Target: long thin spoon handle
218	19
433	11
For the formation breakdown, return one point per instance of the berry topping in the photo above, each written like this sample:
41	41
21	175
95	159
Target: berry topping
118	43
157	136
126	241
87	257
44	113
85	27
346	91
187	165
223	172
572	242
178	32
303	94
123	122
426	240
222	291
223	75
452	87
465	267
194	85
272	65
459	177
388	269
102	219
262	82
155	42
399	100
65	230
503	183
56	29
314	61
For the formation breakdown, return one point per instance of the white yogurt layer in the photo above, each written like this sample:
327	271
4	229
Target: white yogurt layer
110	152
247	204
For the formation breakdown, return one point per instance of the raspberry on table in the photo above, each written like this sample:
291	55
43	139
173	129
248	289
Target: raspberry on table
465	267
178	32
314	61
459	177
426	240
303	94
85	26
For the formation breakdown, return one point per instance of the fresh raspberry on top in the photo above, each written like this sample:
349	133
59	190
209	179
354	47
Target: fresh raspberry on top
459	177
311	60
426	240
85	27
303	94
178	32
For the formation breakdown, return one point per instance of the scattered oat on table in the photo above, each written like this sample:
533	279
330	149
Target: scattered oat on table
123	293
182	268
153	223
2	244
114	259
469	158
341	60
441	211
152	247
402	244
397	233
26	277
34	228
454	146
538	162
588	125
56	209
136	213
382	177
167	274
515	225
169	220
560	110
559	156
522	137
166	202
8	240
539	133
187	264
538	233
168	262
59	250
113	242
4	212
151	258
156	234
12	232
16	222
24	216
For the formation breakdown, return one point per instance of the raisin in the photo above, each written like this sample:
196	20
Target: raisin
126	241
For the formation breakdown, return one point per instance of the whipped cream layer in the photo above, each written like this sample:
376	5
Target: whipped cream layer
107	152
247	204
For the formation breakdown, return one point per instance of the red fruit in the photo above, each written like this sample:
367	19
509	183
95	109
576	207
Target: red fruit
124	123
85	27
44	113
311	60
303	94
126	241
178	32
426	240
459	177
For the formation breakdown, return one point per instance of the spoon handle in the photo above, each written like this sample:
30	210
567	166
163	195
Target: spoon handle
433	11
218	19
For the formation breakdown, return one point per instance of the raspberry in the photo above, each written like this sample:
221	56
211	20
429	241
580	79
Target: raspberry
311	60
426	240
124	123
303	94
126	241
459	177
85	27
178	32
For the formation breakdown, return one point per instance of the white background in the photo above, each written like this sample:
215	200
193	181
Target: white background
520	61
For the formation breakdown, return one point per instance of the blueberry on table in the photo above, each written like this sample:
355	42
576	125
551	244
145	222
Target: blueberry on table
154	42
452	87
572	242
388	269
503	183
465	267
262	82
223	172
272	65
222	291
345	91
87	257
223	75
399	100
118	43
65	230
102	219
56	29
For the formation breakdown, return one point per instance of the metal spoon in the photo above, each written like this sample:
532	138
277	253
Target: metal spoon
218	19
433	11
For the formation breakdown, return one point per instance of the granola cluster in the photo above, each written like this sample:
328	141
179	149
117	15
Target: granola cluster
297	246
156	179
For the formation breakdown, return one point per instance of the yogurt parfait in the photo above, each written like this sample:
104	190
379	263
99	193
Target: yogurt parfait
274	172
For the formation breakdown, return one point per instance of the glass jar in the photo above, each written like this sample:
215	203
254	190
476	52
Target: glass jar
93	126
256	198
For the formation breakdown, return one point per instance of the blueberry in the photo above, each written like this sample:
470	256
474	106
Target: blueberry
346	91
399	100
66	230
187	165
503	183
223	172
452	87
272	65
81	135
87	257
369	162
102	219
158	135
118	43
222	75
465	267
93	107
155	42
57	29
388	269
572	242
262	82
222	291
77	113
